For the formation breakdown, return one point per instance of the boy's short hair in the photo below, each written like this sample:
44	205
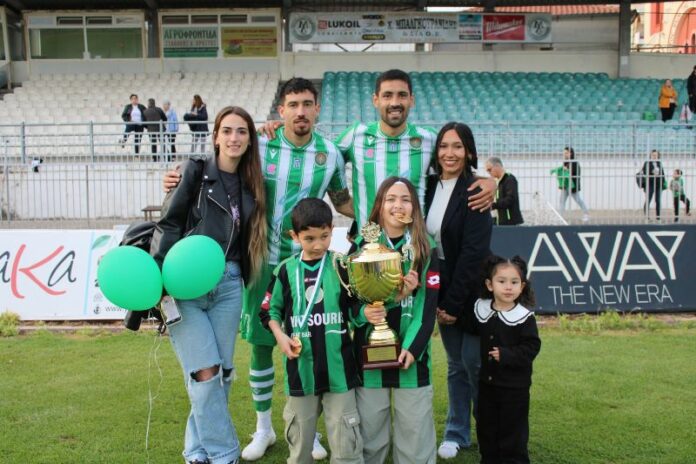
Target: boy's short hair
311	212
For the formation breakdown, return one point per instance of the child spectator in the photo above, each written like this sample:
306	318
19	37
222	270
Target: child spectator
676	185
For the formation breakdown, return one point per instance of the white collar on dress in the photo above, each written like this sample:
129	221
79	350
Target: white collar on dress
515	316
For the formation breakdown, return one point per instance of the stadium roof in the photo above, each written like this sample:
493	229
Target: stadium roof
20	5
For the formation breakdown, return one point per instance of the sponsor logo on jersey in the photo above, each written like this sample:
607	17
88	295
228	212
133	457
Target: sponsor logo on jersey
432	280
271	168
370	153
318	319
266	303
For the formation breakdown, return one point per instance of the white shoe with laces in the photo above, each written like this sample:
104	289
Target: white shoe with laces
448	450
318	451
261	440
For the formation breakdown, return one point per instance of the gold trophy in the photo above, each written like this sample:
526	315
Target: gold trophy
375	277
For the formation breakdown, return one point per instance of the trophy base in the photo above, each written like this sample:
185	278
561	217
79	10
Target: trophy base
381	356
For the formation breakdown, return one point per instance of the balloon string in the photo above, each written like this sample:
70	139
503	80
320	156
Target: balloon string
150	397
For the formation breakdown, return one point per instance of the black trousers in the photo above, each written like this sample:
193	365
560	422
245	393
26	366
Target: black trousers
686	201
138	130
170	141
502	426
668	112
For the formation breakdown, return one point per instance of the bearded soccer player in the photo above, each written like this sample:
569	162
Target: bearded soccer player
297	163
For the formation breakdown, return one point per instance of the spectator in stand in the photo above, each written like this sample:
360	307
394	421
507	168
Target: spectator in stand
676	185
691	90
507	200
667	100
155	118
655	182
171	129
133	114
568	176
199	131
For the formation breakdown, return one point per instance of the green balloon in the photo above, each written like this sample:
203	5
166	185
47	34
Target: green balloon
193	267
130	278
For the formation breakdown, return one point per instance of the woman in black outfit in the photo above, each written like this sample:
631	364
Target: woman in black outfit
463	242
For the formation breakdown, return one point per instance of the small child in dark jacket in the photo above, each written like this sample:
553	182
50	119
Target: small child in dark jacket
509	343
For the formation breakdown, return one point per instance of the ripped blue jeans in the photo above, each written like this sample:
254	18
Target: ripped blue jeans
204	339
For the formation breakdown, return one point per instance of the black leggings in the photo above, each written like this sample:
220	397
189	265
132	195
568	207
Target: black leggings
668	112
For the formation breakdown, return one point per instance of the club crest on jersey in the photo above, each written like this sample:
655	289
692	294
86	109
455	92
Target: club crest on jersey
432	280
320	158
415	142
296	163
271	168
393	146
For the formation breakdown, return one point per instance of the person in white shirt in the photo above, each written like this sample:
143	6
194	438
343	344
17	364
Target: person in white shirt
132	115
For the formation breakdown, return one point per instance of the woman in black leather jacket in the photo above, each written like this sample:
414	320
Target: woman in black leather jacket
222	197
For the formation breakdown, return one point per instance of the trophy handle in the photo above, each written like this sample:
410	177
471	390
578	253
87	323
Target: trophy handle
340	259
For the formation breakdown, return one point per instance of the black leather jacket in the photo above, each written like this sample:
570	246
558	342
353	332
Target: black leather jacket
195	207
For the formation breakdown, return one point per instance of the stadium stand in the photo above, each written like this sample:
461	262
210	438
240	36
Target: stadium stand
70	100
529	107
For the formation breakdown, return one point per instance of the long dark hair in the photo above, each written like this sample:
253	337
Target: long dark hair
571	152
250	173
419	234
493	263
467	137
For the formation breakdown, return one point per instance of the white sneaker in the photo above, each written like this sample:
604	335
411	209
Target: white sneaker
261	440
448	450
318	451
585	217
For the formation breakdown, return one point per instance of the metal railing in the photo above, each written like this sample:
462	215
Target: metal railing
80	175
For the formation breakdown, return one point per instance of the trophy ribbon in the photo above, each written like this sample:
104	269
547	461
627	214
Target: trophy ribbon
315	289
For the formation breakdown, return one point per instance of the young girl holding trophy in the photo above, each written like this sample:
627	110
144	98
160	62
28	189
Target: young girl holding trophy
398	370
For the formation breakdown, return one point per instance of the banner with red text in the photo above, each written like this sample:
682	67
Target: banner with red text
52	274
395	27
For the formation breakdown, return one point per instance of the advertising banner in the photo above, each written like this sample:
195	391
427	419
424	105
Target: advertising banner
249	42
587	269
394	27
52	274
189	41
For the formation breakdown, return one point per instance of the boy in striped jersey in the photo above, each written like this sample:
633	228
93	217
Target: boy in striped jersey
307	310
297	163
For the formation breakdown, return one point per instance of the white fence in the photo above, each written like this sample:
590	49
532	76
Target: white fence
79	175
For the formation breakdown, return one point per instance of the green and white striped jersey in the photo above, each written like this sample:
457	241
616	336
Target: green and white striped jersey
290	174
374	156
